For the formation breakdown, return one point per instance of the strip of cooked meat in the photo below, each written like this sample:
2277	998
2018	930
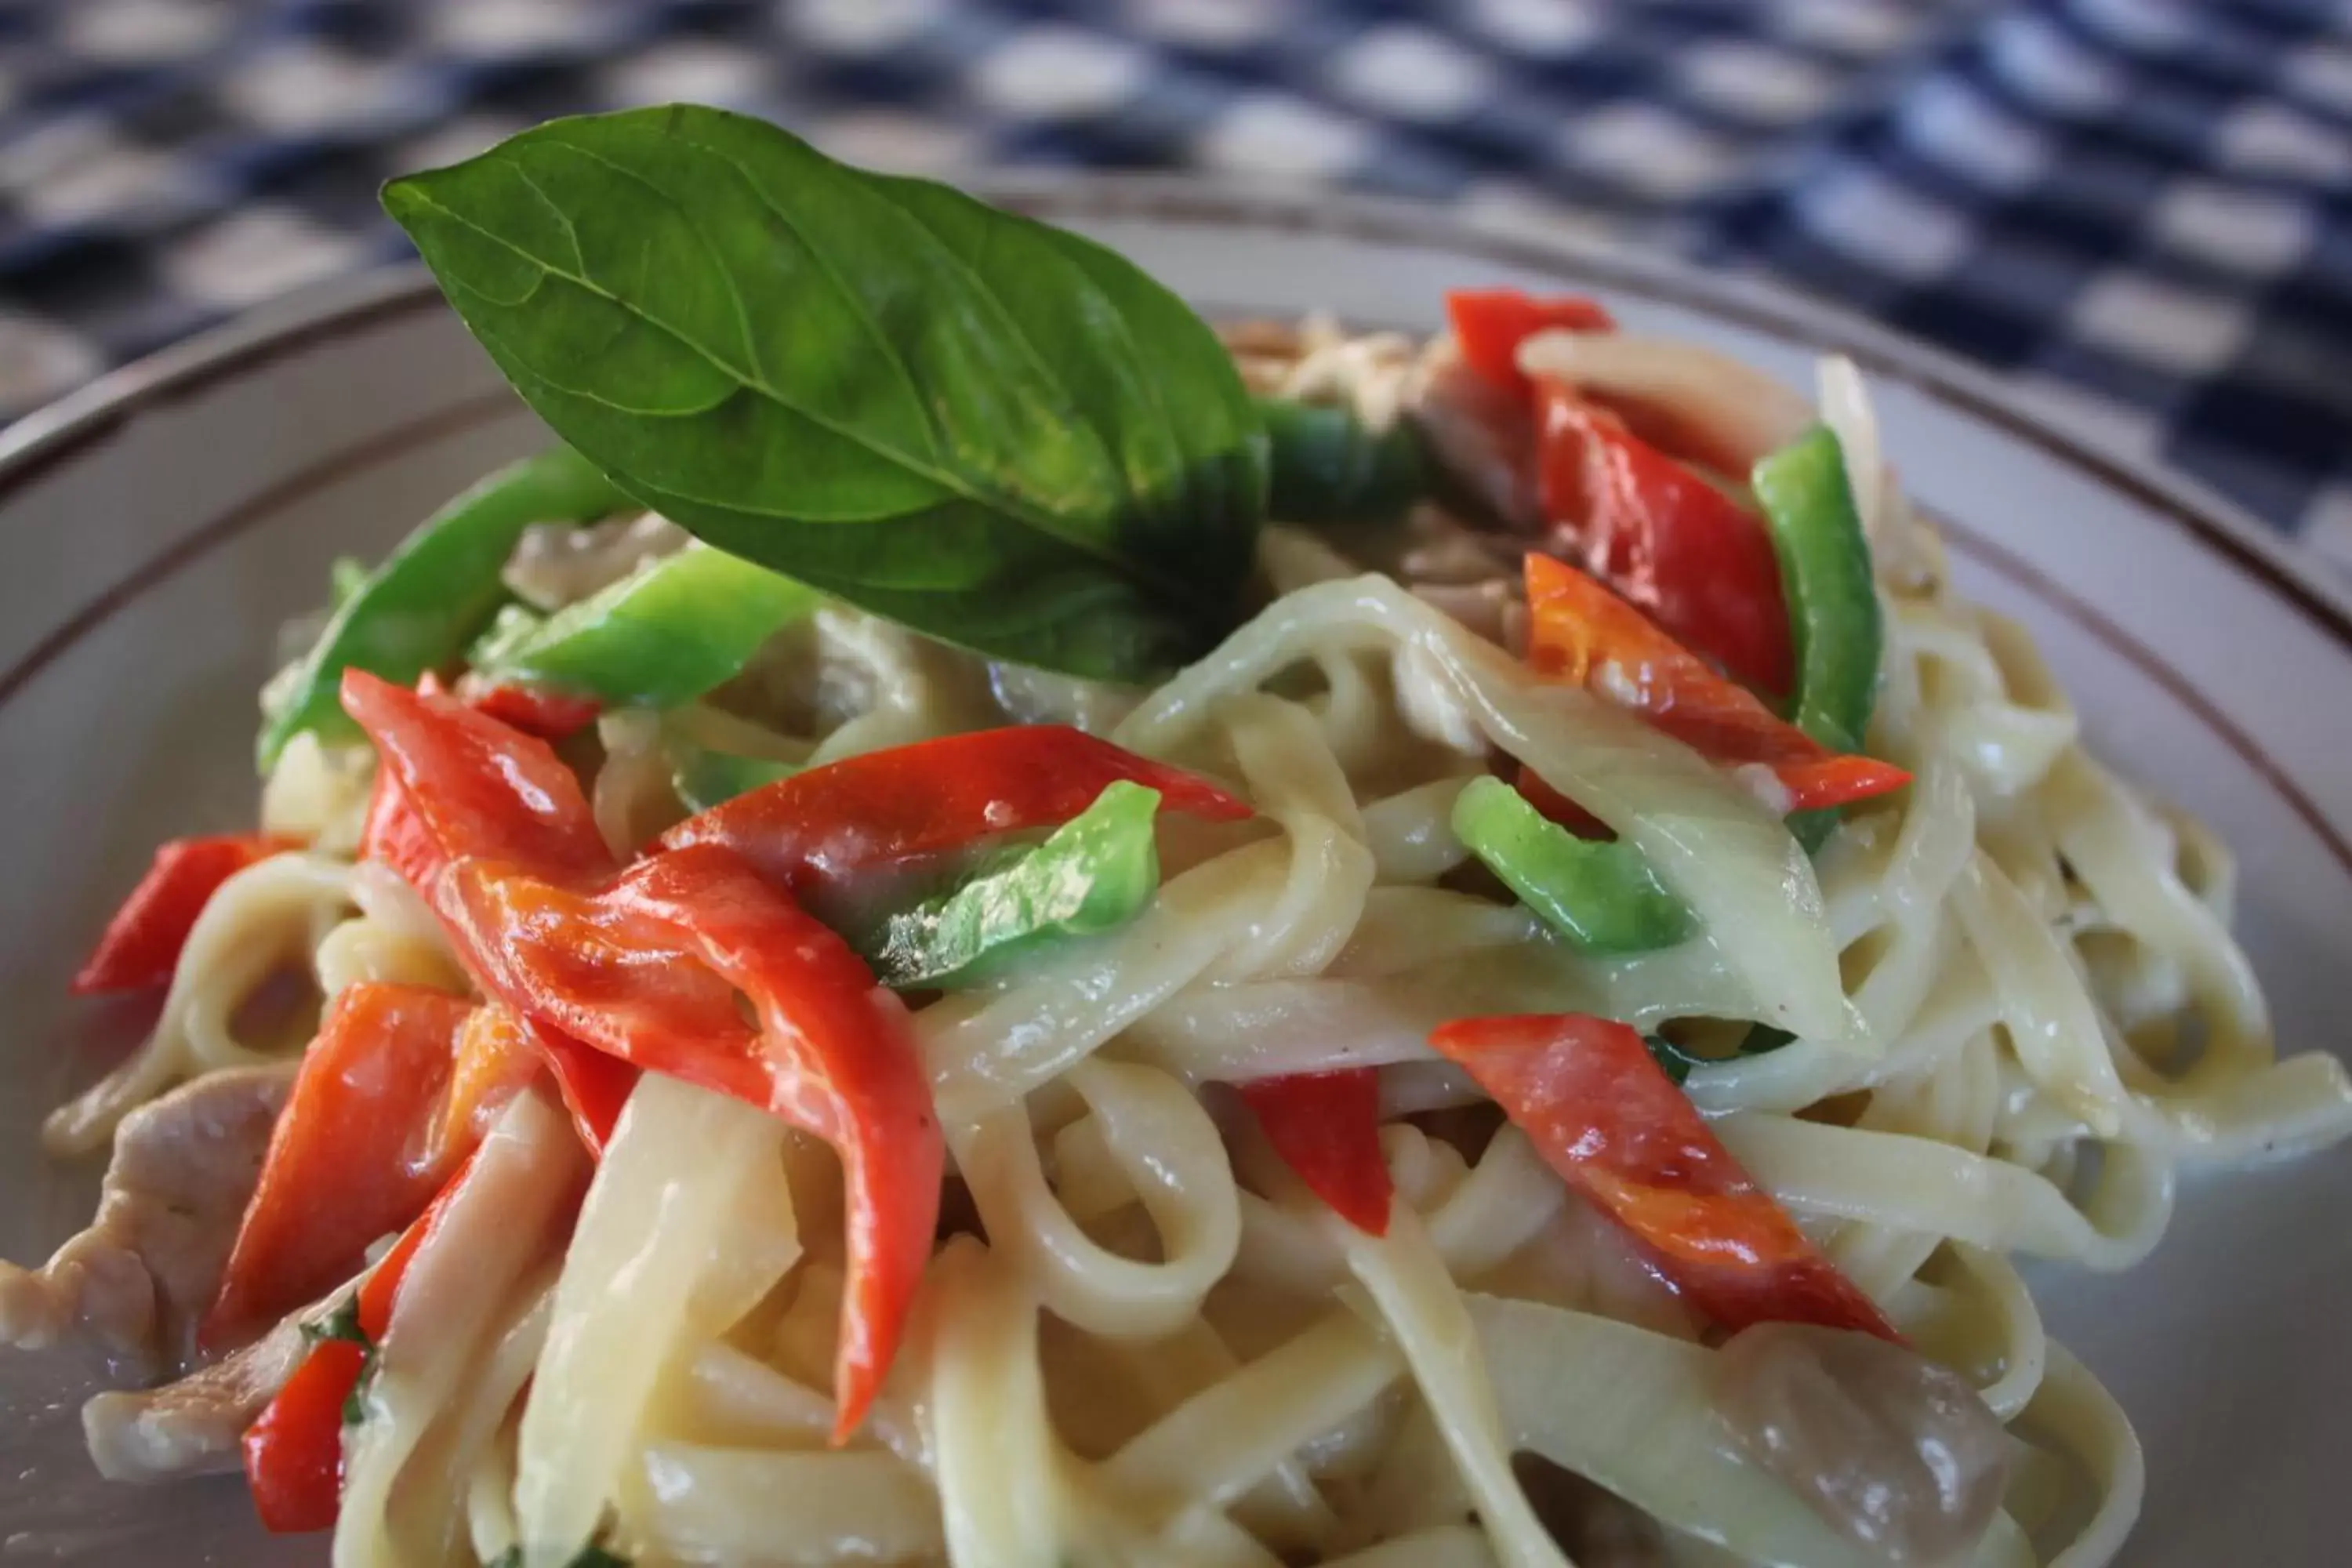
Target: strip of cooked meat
130	1287
193	1427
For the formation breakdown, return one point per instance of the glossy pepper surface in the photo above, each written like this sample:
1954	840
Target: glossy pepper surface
353	1156
293	1452
1092	875
647	966
1579	632
1604	1114
294	1449
1833	596
140	946
821	829
649	972
663	635
1662	535
1327	1127
1602	896
492	790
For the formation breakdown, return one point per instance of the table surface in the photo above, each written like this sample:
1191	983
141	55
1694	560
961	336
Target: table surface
2140	210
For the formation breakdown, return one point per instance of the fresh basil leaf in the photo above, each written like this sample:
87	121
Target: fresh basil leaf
982	427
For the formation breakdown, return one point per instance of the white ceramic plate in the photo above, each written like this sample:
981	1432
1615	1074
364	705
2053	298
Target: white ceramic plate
155	530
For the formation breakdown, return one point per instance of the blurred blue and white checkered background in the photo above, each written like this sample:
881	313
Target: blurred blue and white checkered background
2141	208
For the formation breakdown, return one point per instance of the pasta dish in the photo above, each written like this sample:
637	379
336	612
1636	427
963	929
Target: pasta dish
981	923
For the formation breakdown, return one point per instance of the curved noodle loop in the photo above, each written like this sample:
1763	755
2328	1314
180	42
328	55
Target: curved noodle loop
271	917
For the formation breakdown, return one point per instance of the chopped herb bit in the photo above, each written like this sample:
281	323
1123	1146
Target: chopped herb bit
355	1402
591	1557
343	1323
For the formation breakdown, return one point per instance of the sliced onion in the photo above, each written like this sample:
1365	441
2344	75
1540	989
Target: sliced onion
1846	410
1740	413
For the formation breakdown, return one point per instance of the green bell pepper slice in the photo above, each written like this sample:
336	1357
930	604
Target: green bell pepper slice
1602	897
1093	874
662	636
1834	621
1327	466
417	610
1832	597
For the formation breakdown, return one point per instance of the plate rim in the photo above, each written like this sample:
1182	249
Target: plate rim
58	431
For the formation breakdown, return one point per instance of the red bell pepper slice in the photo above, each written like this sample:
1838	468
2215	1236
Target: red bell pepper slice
496	791
141	943
839	1055
1701	564
494	1057
818	831
1489	325
1581	632
592	1085
478	786
1557	807
380	1289
1602	1112
1644	523
294	1449
650	971
603	974
393	836
534	710
353	1156
1327	1127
